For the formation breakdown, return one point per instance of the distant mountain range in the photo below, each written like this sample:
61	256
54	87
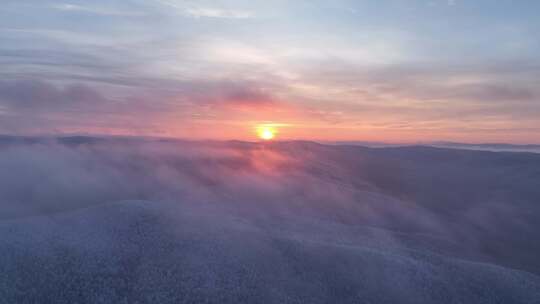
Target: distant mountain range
533	148
82	139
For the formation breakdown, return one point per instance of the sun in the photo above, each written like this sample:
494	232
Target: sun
266	132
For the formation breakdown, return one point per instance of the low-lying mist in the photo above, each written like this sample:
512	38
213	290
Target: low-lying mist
466	205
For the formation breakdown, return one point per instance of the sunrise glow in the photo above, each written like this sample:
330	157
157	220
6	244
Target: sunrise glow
266	132
339	151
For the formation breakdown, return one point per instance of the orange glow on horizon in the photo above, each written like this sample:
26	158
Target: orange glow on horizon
266	132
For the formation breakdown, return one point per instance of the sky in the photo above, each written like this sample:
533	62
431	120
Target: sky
340	70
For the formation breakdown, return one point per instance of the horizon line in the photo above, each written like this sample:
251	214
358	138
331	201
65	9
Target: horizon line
328	142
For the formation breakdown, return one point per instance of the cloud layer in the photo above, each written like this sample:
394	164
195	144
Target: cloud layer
331	71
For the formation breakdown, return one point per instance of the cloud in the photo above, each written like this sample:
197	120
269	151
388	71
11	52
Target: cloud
90	171
249	96
383	76
491	92
225	92
207	11
32	106
416	88
95	10
35	95
219	13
